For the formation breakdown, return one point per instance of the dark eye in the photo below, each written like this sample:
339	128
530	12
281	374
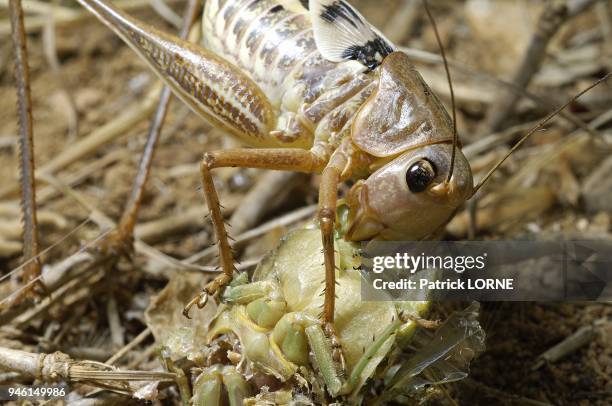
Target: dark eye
419	175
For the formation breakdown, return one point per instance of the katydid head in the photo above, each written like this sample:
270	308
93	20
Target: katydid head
410	197
428	178
416	193
403	126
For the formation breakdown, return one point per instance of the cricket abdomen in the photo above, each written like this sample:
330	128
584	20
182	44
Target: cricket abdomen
262	37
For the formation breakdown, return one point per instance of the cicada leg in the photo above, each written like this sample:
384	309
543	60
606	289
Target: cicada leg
334	379
262	300
369	359
210	383
323	354
297	160
207	387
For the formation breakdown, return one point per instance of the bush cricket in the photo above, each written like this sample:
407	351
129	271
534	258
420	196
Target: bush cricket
311	86
314	88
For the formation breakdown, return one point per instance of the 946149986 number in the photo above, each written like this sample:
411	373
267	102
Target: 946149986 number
32	392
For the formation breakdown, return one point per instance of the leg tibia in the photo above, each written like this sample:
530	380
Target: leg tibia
280	159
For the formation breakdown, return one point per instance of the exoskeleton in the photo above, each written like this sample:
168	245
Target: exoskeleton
312	87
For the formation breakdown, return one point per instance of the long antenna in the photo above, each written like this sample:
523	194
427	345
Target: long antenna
450	85
536	128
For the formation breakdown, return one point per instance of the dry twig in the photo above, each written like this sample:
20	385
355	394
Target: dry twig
581	337
551	20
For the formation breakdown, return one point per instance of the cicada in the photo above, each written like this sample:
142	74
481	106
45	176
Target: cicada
266	345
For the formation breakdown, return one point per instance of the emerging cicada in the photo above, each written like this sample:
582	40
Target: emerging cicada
266	344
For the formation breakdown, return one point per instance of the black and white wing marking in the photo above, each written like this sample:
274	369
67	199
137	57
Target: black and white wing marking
341	33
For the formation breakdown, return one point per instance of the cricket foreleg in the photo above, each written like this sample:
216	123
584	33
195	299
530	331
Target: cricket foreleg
328	195
298	160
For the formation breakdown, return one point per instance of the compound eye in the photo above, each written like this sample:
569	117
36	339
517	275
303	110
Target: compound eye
420	175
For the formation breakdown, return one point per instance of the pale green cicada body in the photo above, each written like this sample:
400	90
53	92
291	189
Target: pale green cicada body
275	350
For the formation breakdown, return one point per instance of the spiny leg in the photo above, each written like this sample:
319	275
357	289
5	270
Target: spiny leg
328	196
120	241
297	160
32	267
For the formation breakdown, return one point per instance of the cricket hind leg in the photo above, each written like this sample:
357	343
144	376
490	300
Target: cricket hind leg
32	267
212	87
294	159
119	243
